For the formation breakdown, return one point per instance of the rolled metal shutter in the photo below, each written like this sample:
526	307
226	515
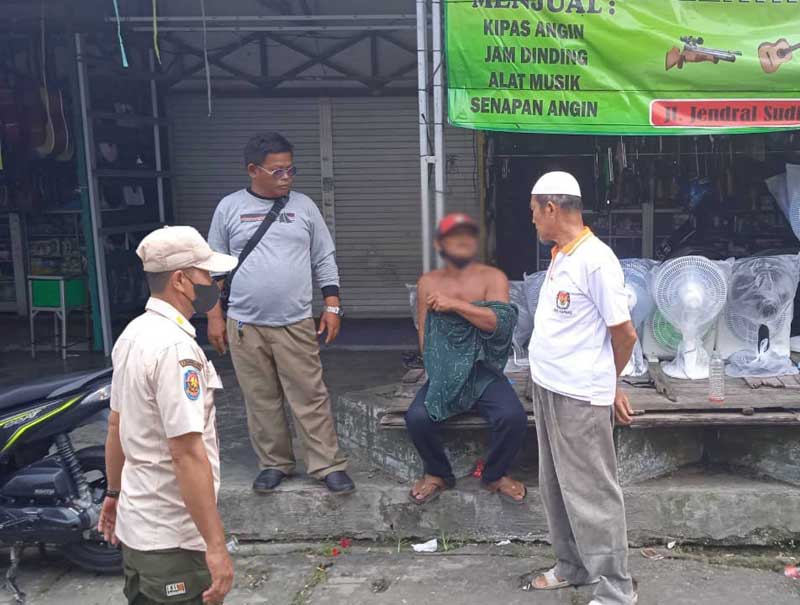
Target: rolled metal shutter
376	172
375	179
207	152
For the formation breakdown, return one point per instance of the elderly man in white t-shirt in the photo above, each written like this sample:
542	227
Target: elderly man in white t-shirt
583	339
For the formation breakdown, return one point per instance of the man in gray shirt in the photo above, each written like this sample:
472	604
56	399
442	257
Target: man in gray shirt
270	327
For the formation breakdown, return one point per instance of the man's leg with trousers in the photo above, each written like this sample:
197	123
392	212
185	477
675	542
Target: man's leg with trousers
426	436
582	447
502	409
568	561
255	368
296	352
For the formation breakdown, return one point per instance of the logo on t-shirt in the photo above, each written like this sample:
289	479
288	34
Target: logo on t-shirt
562	300
283	217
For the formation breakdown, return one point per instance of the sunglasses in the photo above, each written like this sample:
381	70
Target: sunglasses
280	173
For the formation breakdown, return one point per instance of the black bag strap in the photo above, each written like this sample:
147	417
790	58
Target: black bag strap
251	244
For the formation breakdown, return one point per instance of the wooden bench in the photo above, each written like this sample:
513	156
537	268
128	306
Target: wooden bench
657	402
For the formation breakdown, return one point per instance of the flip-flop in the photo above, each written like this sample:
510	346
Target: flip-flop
509	498
437	491
553	583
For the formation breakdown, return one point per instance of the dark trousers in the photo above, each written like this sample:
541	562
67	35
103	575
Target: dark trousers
157	577
507	419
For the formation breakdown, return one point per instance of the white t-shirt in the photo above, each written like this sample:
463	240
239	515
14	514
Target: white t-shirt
163	387
582	296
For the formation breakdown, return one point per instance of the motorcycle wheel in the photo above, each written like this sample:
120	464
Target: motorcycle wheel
94	553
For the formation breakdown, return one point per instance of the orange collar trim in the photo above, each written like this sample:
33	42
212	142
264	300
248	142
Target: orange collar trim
574	244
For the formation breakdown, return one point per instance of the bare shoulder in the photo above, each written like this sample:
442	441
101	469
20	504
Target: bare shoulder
492	274
430	278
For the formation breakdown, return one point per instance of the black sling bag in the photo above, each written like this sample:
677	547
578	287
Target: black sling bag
271	217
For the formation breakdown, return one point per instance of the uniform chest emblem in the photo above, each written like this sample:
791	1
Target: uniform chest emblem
562	300
191	384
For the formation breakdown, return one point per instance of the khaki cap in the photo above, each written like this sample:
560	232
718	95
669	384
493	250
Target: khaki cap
173	248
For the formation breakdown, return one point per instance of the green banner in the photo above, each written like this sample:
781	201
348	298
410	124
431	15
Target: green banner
623	66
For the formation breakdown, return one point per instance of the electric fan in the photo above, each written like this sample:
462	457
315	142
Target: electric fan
641	305
525	295
412	302
690	292
754	331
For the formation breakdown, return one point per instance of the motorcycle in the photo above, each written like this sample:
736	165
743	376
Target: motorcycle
51	494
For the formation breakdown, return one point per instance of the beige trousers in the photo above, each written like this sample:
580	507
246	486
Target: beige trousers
273	364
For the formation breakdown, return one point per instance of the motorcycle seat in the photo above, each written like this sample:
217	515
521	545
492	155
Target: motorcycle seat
40	390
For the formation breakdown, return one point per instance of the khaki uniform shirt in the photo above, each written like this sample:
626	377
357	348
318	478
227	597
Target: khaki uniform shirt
163	387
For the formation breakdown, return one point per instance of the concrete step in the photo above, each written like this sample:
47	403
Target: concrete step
695	505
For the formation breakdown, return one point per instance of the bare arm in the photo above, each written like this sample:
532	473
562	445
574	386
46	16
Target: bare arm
423	291
115	457
115	460
193	471
623	337
217	334
196	482
481	317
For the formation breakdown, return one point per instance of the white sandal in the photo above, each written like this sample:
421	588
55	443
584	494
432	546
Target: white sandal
550	577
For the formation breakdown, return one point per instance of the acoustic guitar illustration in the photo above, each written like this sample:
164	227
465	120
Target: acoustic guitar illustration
772	56
694	52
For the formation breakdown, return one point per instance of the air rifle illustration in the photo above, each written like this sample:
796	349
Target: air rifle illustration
694	52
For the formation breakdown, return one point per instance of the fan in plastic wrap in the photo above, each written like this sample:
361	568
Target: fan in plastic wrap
412	303
759	314
525	295
690	292
640	302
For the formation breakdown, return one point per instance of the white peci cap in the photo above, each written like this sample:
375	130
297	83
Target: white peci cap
557	183
173	248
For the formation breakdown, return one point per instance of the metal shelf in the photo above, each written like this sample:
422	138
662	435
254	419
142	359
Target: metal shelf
133	173
133	119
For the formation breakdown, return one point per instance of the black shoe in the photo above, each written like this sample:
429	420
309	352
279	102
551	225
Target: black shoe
268	480
340	483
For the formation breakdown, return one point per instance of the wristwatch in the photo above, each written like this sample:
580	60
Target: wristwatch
335	310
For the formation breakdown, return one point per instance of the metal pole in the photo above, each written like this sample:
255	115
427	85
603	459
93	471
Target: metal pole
268	18
279	28
97	240
156	137
424	148
438	113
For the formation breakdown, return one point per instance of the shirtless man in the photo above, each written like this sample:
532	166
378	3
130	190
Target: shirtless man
454	290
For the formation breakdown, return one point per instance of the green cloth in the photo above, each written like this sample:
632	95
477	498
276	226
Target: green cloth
461	361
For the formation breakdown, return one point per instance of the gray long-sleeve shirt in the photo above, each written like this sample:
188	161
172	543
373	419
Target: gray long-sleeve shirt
274	285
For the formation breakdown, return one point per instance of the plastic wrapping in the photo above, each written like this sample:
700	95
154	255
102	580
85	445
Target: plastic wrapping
640	303
767	363
785	188
758	316
524	328
412	302
691	292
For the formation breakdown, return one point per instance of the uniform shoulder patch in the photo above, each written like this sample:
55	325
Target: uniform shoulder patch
190	363
175	590
191	384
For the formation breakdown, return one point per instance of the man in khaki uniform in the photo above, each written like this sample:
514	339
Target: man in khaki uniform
162	452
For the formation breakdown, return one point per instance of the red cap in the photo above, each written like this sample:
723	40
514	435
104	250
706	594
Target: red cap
454	221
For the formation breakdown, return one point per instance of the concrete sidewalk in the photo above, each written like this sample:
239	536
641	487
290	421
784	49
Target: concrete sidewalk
375	574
